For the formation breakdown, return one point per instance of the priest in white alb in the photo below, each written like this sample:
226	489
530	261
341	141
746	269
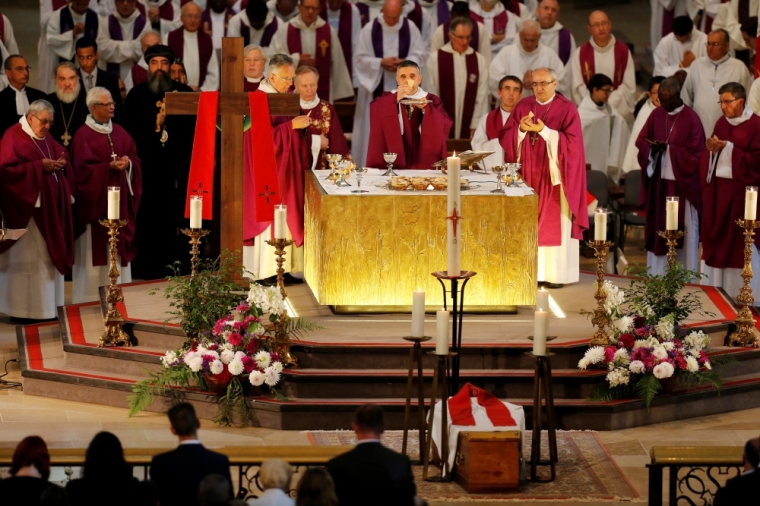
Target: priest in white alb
311	41
486	137
459	76
731	15
708	73
603	54
119	37
480	41
345	20
664	13
438	11
678	50
553	35
525	54
69	24
631	158
383	44
502	25
196	50
256	24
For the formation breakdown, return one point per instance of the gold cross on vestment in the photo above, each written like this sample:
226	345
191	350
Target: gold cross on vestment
66	138
323	45
454	218
587	71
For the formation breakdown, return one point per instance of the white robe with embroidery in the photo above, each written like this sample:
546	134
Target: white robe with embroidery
605	135
550	39
125	52
668	54
191	59
484	40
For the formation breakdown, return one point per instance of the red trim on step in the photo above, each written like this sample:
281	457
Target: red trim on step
76	329
33	349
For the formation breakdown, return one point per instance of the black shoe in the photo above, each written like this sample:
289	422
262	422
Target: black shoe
31	321
554	285
289	279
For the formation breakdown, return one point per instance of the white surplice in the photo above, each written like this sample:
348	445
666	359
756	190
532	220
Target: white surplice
431	8
550	38
605	136
700	90
272	5
370	75
432	83
191	59
679	7
241	18
668	54
165	25
47	59
624	96
515	60
728	20
484	41
333	17
125	52
340	79
514	23
480	141
631	160
62	44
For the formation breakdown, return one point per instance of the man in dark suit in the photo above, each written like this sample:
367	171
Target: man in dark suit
180	472
91	75
15	99
371	474
743	489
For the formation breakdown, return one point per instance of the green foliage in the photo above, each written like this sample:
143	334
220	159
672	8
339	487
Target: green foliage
605	393
159	383
647	388
295	327
234	409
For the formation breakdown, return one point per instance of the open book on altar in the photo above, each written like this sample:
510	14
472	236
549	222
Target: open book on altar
467	158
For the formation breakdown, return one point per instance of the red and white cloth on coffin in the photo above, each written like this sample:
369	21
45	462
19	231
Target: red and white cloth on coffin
474	409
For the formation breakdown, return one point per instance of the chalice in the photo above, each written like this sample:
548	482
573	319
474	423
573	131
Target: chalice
498	170
512	169
360	171
389	159
333	159
344	170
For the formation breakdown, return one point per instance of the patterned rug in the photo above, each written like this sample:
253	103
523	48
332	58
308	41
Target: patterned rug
585	470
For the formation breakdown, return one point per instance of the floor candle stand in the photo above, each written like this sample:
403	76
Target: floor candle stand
542	394
441	371
457	311
195	235
113	335
415	356
744	335
671	237
279	246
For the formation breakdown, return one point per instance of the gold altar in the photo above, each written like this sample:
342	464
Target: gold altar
368	253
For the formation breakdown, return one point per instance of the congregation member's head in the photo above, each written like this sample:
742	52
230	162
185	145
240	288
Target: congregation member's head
510	92
547	13
544	83
158	58
309	10
17	71
368	422
257	11
307	79
125	8
178	71
149	39
184	423
40	117
101	104
104	459
460	10
254	61
285	7
654	88
67	85
408	74
460	34
749	32
599	88
316	488
122	90
683	27
733	96
217	6
718	44
392	11
281	72
79	6
214	490
600	28
335	5
191	17
87	54
751	456
275	474
669	93
530	35
31	458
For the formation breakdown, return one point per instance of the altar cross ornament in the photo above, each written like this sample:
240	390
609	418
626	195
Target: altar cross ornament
454	218
233	106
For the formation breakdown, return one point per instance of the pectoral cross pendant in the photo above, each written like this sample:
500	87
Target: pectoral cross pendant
113	155
66	138
533	137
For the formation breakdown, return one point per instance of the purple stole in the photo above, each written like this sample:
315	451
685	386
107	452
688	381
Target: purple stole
499	22
474	41
586	55
344	31
67	23
114	31
564	45
416	16
444	14
667	21
494	124
266	37
323	55
166	11
404	41
206	20
449	91
176	42
363	12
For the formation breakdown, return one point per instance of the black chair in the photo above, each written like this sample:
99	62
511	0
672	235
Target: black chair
628	210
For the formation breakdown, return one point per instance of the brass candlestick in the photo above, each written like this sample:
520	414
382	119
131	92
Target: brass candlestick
744	335
600	319
195	235
671	236
279	245
114	321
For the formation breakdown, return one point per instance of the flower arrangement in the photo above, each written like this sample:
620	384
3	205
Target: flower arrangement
648	344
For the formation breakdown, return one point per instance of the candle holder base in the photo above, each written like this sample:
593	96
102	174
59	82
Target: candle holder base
415	357
600	319
441	372
671	236
195	235
279	245
113	334
744	335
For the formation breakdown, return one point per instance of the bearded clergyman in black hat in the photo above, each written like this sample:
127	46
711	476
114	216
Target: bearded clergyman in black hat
164	144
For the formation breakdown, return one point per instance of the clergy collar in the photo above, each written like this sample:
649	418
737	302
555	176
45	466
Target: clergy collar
556	27
254	80
131	18
299	23
394	28
101	128
266	87
676	110
746	114
420	93
719	62
311	104
448	49
27	128
22	90
548	101
497	9
604	49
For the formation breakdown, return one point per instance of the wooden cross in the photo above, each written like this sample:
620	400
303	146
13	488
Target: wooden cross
233	105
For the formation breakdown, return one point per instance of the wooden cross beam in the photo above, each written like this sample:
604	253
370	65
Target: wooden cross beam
233	105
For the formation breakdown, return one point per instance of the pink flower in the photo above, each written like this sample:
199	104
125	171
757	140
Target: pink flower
680	362
236	325
252	346
642	332
235	339
626	341
249	364
609	353
213	347
242	308
208	358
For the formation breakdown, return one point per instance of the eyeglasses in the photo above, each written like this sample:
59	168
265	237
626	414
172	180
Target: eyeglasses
105	104
461	37
286	79
714	44
43	122
543	84
21	69
727	102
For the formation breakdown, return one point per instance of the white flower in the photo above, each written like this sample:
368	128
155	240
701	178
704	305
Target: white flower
618	376
257	378
169	358
583	363
664	328
595	355
227	356
660	352
263	359
623	323
235	367
640	343
195	363
269	299
669	345
277	366
663	370
692	365
201	351
637	367
696	340
622	357
226	334
707	365
615	297
216	367
272	376
239	355
259	330
213	353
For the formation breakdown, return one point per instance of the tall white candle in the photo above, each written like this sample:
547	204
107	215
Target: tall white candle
442	334
114	196
600	225
418	313
540	325
281	221
196	212
750	203
671	213
454	209
542	298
